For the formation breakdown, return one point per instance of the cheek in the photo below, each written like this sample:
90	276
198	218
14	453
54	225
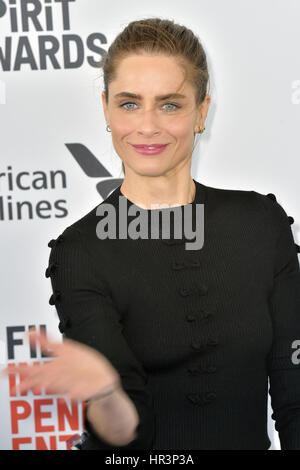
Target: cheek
181	129
122	126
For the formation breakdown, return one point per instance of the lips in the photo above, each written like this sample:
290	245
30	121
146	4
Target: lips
157	149
149	145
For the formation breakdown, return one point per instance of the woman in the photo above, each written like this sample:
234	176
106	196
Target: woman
172	347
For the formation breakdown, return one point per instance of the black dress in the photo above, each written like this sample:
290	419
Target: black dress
194	334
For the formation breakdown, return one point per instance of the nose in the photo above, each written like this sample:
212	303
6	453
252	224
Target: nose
149	122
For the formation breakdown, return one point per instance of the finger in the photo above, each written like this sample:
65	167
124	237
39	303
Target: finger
15	370
57	379
36	380
27	370
24	370
47	345
33	337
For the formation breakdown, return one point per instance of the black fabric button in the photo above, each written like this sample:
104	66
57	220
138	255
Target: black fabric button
202	289
201	399
190	317
212	342
291	219
205	315
197	345
193	397
210	369
210	396
54	242
61	326
271	196
54	297
65	322
51	268
202	315
184	291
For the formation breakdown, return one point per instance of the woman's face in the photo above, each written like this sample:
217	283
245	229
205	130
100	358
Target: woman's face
148	119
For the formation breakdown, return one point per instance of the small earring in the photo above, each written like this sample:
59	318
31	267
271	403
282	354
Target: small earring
201	129
198	130
108	129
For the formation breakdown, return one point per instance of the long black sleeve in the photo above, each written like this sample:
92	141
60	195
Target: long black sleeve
88	315
284	373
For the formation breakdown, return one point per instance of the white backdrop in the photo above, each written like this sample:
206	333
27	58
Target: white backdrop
251	142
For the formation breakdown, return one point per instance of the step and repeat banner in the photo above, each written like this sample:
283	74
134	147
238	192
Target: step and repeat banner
57	161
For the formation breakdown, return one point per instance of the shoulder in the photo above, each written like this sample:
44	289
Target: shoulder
84	228
232	196
267	203
276	211
77	257
257	209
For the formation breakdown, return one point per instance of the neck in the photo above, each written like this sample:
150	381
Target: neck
161	191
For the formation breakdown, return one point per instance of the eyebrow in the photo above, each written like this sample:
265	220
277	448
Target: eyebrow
126	94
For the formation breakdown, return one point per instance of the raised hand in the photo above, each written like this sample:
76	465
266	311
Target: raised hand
78	371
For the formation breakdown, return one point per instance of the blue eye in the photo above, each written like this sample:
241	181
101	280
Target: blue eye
122	105
172	104
130	102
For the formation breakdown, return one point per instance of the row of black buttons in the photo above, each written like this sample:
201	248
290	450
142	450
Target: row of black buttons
56	296
203	314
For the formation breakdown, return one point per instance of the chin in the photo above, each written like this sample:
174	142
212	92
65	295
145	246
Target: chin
151	171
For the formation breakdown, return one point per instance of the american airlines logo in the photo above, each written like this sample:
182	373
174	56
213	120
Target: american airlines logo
93	168
15	182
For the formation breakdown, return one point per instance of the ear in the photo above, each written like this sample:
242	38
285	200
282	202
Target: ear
202	111
105	107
